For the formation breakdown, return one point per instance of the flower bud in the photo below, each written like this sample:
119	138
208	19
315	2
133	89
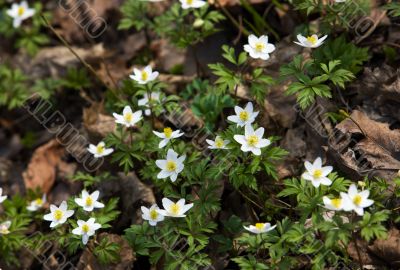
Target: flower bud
198	23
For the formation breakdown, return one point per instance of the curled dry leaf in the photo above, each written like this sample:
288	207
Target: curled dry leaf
362	146
388	249
42	168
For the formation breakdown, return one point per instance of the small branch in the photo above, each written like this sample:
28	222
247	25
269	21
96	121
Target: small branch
86	64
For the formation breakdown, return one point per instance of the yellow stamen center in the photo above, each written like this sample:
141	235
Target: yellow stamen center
336	202
317	173
252	140
189	2
39	201
259	47
171	166
259	226
312	40
21	11
100	149
85	228
219	143
167	132
153	214
89	201
145	76
244	116
357	200
128	117
58	214
174	209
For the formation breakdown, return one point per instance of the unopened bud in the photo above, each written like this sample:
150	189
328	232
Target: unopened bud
198	23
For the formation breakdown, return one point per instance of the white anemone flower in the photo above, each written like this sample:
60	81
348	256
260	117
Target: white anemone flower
89	201
2	198
20	12
185	4
36	204
99	150
243	116
310	41
316	173
86	229
128	118
154	96
151	214
167	135
172	209
335	204
259	47
252	140
218	143
58	215
4	227
144	76
354	200
260	228
171	166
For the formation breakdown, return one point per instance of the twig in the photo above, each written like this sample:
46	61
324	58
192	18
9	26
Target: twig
233	20
86	64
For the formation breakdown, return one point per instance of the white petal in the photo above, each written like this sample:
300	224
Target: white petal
307	176
317	163
259	132
352	190
252	39
163	143
325	181
161	163
163	174
173	177
167	203
256	151
326	170
127	109
240	139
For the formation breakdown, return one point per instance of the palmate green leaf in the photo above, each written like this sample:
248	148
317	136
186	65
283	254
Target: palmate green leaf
229	54
295	187
108	213
295	68
107	252
134	15
371	225
249	263
350	56
339	76
227	79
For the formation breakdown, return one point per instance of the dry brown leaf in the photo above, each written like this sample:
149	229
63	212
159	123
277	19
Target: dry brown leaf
363	146
388	249
365	256
42	169
97	124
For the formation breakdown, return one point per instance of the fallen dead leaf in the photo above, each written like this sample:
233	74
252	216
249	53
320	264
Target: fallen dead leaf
97	124
42	168
363	146
388	249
